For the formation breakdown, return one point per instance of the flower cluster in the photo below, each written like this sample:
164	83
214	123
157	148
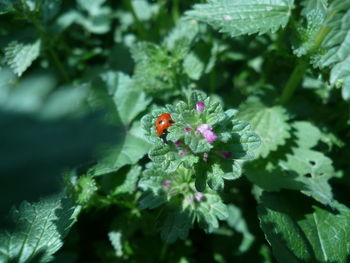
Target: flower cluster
202	148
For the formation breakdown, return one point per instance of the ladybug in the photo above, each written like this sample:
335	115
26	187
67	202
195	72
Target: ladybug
163	122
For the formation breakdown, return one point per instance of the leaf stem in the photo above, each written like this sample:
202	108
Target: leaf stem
293	82
58	64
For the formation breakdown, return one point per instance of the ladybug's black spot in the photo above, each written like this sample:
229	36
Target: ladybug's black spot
171	121
160	122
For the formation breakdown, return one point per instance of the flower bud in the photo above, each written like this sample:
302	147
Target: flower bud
200	106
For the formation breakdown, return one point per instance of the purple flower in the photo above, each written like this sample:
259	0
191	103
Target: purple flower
187	129
207	132
226	155
203	128
166	183
177	143
199	196
200	106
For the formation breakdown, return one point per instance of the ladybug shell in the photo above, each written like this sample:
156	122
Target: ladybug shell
163	122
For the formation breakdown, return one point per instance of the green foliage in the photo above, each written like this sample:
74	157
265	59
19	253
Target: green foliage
269	122
315	237
19	56
40	229
239	17
252	168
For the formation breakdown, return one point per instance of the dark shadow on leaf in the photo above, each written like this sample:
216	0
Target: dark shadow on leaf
34	152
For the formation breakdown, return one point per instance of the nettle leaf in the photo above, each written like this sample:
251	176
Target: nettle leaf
182	37
314	21
314	170
305	170
193	66
319	235
85	189
122	104
270	123
155	69
130	182
308	135
39	230
243	141
129	102
333	52
238	17
133	148
19	56
175	224
210	211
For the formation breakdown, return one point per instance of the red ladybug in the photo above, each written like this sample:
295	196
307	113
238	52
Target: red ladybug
163	122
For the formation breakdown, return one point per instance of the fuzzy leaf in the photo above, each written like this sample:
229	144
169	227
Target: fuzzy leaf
210	211
238	17
333	52
155	69
19	56
305	170
175	224
193	66
319	235
40	228
134	147
130	182
270	123
129	102
314	170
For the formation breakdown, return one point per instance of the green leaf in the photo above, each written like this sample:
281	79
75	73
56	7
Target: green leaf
39	231
175	224
130	182
270	123
333	52
237	222
19	56
86	188
210	211
215	178
238	17
132	149
295	235
129	102
115	237
243	141
193	66
155	70
314	170
308	134
180	40
305	170
144	10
